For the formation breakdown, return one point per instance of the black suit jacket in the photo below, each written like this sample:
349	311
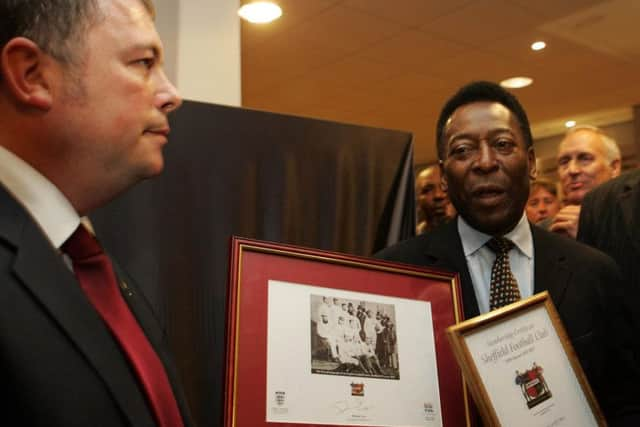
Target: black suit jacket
610	222
59	364
581	282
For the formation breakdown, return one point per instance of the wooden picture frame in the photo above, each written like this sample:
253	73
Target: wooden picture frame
522	369
276	293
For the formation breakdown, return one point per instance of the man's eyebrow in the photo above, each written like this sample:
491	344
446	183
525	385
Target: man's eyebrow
458	136
502	130
492	133
154	48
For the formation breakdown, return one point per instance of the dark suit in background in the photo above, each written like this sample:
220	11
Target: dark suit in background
610	222
60	365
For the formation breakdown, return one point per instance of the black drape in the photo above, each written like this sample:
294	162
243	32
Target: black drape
254	174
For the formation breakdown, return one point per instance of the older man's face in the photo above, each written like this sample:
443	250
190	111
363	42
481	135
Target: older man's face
583	165
487	166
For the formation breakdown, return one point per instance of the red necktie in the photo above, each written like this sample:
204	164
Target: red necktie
93	269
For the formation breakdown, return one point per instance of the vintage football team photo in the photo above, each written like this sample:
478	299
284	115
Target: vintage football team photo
353	338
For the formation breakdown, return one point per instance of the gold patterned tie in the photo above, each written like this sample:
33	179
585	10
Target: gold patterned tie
504	287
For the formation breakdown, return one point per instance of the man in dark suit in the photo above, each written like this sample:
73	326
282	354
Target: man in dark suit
487	158
610	222
83	116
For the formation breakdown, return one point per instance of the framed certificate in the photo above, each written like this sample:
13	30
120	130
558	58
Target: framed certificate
321	338
522	369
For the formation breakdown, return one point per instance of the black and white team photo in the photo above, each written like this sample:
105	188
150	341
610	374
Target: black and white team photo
353	338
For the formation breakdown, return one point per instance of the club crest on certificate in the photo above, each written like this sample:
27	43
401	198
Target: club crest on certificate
533	385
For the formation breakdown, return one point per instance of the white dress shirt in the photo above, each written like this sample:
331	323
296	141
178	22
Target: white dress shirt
49	208
480	259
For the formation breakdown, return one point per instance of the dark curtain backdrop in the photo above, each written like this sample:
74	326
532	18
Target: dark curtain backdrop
231	171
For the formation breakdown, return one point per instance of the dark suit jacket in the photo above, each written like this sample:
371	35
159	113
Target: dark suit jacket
59	364
610	222
579	280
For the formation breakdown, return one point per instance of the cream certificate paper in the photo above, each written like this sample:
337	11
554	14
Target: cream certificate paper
527	374
348	358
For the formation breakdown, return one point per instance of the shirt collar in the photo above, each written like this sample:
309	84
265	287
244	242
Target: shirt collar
473	240
50	209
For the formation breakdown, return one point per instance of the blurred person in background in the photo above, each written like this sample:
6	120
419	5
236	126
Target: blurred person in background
587	157
433	203
543	203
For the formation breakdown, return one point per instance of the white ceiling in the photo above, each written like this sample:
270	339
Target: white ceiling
393	63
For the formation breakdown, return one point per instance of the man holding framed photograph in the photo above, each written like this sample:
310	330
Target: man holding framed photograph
487	159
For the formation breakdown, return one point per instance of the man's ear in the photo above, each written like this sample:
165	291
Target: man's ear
23	67
533	168
443	179
616	165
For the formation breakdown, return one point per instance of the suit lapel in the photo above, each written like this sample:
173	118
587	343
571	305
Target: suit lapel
145	316
550	270
139	306
445	251
41	269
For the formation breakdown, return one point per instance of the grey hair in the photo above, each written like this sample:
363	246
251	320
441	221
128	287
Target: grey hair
612	151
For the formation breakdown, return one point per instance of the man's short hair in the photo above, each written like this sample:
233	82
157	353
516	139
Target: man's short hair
612	151
56	26
481	91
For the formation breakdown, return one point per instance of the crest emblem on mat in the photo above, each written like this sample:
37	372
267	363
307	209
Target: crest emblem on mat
533	386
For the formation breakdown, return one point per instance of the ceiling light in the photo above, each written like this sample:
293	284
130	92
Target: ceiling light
516	82
539	45
570	123
260	12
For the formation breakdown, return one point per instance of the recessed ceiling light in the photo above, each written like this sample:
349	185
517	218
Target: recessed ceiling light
260	12
516	82
570	123
539	45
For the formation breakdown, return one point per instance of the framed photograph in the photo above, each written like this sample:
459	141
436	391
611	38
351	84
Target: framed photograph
521	368
321	338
